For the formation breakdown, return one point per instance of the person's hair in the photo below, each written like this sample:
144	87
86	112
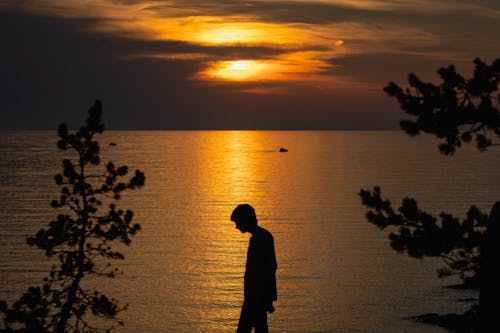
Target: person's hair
245	213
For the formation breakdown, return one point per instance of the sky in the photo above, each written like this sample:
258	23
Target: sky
225	64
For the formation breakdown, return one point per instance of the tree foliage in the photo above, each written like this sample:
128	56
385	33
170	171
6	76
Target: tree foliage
80	239
420	234
457	110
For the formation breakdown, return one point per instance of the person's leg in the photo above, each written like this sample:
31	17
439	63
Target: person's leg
260	320
245	323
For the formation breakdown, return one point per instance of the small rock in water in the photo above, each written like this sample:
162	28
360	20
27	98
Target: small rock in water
283	150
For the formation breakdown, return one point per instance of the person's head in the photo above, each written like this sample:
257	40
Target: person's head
244	217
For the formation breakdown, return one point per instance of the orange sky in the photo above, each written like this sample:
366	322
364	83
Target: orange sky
309	48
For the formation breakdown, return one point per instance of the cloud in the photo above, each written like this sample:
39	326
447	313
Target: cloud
160	64
454	31
52	69
450	29
333	11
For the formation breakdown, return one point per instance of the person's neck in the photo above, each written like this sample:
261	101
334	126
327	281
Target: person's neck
253	229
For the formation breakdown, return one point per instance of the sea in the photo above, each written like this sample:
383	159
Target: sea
183	272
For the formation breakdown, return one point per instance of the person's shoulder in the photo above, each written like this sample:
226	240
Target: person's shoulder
264	234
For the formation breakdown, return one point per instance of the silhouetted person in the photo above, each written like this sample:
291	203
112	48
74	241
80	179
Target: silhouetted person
260	274
489	288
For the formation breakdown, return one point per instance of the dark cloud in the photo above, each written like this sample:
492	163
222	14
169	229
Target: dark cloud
134	47
51	70
384	67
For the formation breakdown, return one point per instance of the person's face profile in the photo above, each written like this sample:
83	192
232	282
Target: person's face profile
241	225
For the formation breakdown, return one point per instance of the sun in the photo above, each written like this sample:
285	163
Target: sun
237	70
240	65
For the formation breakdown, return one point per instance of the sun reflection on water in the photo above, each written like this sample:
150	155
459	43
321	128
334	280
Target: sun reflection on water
226	174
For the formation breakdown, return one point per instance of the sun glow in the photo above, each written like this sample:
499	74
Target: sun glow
239	65
294	67
238	70
229	34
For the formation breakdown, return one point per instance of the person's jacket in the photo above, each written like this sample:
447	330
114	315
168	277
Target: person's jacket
260	274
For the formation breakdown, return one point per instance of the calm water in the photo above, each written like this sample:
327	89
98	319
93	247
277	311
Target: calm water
184	270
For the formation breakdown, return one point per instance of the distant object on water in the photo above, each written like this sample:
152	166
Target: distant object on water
283	150
112	144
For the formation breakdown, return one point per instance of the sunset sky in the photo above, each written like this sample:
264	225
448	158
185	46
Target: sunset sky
228	64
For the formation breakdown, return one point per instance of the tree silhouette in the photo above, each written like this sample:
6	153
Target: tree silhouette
457	111
420	234
80	238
